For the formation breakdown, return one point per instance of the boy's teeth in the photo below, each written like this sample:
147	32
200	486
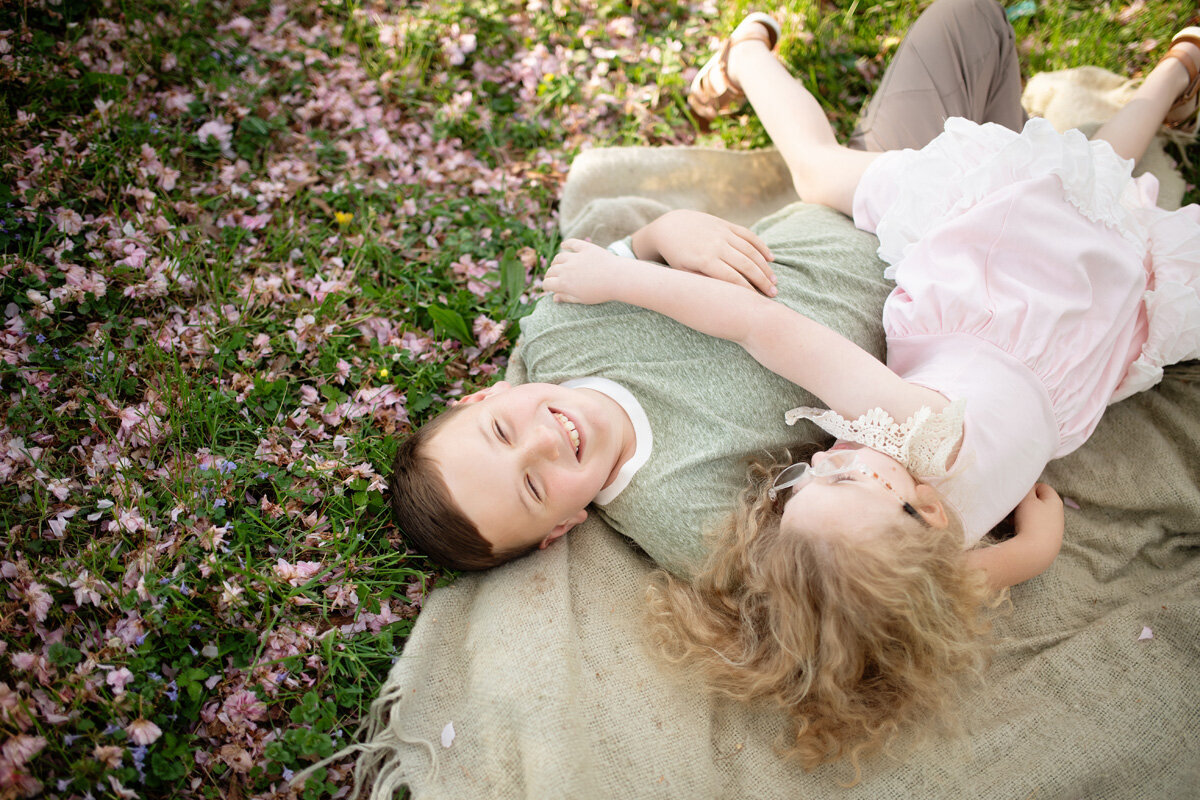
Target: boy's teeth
570	426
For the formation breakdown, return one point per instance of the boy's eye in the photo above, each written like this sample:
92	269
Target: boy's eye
843	476
532	489
499	432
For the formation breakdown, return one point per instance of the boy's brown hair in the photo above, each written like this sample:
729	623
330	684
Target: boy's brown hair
430	520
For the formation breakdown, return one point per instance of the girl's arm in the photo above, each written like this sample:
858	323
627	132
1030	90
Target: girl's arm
844	376
1040	523
697	242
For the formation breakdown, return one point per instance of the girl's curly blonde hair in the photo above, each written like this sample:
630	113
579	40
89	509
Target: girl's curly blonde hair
855	638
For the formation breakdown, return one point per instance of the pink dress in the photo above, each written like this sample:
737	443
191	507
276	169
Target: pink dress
1037	281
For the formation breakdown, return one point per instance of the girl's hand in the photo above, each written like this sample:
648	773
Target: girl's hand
1040	515
582	272
1040	522
697	242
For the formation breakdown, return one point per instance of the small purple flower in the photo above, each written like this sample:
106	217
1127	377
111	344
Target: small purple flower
227	467
41	338
172	692
139	760
219	502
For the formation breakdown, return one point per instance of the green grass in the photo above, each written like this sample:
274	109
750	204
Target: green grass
210	345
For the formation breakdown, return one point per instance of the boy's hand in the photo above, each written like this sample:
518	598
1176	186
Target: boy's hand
582	272
697	242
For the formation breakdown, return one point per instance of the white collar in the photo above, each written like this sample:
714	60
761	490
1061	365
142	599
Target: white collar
643	437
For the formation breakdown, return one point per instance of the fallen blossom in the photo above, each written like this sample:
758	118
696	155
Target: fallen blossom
68	221
118	679
143	731
108	754
296	574
20	748
38	601
487	331
218	133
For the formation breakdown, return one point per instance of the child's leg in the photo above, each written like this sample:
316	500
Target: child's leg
1133	127
823	171
958	60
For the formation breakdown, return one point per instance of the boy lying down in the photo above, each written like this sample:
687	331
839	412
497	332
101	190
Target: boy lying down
629	413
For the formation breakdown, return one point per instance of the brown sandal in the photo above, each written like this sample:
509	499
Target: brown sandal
712	90
1182	114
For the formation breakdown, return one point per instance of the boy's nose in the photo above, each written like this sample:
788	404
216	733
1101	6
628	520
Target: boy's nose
542	441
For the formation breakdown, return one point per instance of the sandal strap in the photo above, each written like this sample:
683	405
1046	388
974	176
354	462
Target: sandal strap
1187	99
1187	62
1186	36
761	28
713	89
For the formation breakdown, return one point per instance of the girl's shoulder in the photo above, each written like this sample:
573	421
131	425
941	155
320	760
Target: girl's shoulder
926	443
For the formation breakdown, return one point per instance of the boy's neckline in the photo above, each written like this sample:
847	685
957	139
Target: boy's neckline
635	453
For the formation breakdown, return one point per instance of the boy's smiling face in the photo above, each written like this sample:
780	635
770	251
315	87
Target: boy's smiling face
523	462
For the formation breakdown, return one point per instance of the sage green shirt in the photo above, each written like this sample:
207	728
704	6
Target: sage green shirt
710	405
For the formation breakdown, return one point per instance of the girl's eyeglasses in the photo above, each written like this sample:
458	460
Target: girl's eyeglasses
797	476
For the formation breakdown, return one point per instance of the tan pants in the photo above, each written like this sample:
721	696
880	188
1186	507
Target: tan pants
959	59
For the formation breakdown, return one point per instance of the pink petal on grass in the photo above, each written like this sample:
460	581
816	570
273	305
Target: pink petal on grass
1069	503
143	731
1146	633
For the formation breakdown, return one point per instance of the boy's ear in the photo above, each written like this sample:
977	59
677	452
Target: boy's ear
561	528
929	505
475	397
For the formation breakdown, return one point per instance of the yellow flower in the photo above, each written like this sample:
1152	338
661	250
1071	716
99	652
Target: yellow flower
383	373
342	218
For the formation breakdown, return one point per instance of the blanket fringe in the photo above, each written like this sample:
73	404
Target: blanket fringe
1181	139
379	770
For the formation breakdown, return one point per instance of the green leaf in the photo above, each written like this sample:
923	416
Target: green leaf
255	126
62	655
418	402
451	322
512	277
168	767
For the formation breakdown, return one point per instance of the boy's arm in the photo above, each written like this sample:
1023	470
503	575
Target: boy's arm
697	242
1039	522
844	376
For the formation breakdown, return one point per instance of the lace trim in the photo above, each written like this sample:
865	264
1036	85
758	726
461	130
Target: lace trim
925	443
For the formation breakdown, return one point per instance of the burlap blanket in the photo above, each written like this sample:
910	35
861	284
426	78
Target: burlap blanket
532	680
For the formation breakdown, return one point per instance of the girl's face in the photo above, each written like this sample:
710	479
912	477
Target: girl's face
858	504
